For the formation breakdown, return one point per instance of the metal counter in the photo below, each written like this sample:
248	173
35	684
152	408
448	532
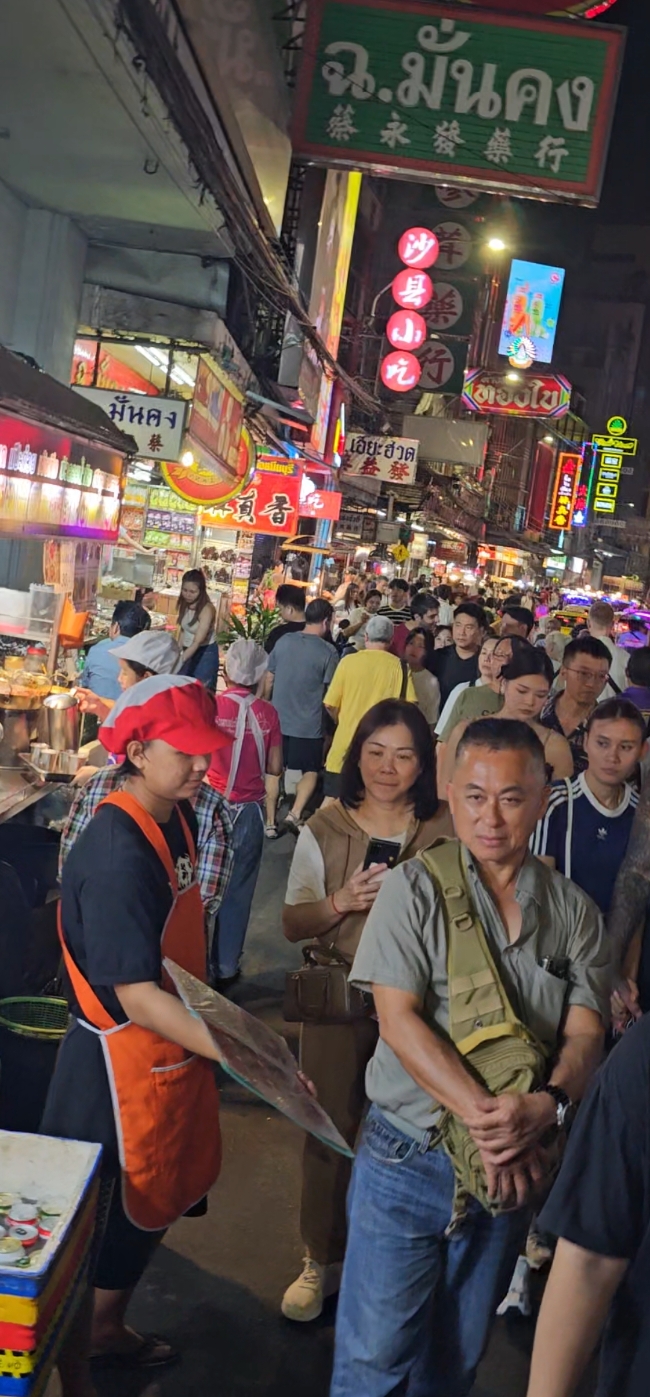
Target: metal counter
19	789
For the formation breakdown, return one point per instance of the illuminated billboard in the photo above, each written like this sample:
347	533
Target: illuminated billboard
532	309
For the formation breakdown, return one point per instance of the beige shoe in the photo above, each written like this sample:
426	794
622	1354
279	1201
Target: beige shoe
304	1299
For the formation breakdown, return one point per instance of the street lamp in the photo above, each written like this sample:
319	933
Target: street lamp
497	245
513	377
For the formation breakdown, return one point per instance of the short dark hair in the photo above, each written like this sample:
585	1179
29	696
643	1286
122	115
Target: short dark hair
399	582
288	594
528	659
521	615
373	592
471	608
618	710
444	592
139	670
438	629
388	714
317	611
638	667
587	645
423	602
502	735
131	618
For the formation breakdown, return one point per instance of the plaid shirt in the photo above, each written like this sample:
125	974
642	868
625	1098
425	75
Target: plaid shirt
214	850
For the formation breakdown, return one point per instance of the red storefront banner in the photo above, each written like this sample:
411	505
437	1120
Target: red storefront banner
542	471
268	505
321	504
564	491
217	415
531	395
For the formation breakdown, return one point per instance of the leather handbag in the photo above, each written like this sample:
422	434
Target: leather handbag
321	992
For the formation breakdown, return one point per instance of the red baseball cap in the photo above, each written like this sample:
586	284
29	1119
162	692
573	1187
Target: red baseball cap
171	707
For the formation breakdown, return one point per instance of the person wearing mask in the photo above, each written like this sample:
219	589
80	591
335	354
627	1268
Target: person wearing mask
586	829
196	620
418	653
600	624
445	608
238	772
360	616
638	681
584	671
417	1304
525	684
397	608
460	661
361	681
101	671
424	613
599	1210
301	667
387	791
290	602
129	898
516	620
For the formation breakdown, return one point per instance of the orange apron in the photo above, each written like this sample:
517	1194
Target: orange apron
166	1102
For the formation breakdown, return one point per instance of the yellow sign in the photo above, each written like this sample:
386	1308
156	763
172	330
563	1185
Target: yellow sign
399	552
628	445
617	426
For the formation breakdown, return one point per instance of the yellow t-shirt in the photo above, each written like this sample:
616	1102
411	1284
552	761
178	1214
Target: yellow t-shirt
360	681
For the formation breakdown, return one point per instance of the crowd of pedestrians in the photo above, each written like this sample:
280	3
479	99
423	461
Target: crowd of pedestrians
468	808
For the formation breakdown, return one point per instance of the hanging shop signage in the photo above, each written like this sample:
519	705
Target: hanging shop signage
157	426
536	395
320	504
384	458
581	506
612	449
615	438
589	8
531	312
412	290
564	491
94	366
198	478
268	505
217	414
511	102
406	330
53	484
278	465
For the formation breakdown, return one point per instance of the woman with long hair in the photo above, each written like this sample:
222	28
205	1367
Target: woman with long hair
387	793
525	684
196	619
418	652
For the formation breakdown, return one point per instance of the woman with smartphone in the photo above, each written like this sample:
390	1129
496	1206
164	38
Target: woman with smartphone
386	812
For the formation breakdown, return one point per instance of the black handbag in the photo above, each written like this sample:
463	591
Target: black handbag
321	992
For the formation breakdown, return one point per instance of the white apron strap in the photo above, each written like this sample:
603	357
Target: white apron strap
245	719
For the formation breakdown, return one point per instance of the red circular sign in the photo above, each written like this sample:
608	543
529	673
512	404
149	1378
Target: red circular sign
418	247
406	329
400	372
412	289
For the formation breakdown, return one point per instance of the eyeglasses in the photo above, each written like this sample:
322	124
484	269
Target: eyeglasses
588	677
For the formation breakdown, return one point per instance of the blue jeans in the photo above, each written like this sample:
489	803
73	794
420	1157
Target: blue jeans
235	910
415	1308
204	665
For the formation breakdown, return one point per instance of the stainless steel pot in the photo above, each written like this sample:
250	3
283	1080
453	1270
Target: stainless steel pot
62	712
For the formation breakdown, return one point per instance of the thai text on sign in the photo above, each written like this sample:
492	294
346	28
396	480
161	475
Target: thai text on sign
539	395
393	459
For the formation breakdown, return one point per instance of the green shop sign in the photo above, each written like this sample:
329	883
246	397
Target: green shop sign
496	101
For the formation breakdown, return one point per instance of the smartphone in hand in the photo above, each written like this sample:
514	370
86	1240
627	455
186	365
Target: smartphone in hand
382	851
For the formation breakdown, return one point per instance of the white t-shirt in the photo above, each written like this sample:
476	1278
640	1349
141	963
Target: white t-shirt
427	692
307	873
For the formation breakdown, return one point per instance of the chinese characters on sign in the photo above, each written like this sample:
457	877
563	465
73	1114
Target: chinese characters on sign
406	330
156	424
384	458
564	492
538	396
268	505
400	371
519	103
581	506
418	247
611	449
412	290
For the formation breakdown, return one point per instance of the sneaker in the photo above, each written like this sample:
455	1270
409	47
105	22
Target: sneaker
518	1297
304	1300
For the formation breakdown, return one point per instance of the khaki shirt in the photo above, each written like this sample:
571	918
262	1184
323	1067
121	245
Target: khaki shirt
404	946
477	701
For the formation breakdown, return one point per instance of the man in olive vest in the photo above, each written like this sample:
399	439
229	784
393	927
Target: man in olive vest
477	954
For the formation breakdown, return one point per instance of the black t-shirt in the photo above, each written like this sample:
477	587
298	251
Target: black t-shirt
601	1202
451	670
115	899
278	631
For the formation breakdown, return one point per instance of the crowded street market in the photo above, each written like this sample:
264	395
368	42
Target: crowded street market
324	699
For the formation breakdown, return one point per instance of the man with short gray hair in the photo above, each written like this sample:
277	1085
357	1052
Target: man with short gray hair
361	681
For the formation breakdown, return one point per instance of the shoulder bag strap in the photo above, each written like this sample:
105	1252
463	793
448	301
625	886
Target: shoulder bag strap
405	679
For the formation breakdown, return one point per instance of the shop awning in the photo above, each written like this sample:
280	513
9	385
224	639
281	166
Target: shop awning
25	391
502	538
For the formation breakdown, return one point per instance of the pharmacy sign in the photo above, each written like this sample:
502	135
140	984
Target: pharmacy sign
497	101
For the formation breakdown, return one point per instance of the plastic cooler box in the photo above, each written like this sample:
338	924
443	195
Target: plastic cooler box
38	1300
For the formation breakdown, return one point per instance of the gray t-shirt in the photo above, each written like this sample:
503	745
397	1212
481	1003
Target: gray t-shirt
404	946
302	666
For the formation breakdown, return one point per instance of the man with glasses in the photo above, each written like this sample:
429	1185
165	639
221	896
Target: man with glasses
584	673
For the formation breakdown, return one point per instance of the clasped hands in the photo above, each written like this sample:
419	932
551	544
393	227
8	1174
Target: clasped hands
508	1130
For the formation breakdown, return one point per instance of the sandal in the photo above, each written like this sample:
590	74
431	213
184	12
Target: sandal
271	831
151	1352
290	822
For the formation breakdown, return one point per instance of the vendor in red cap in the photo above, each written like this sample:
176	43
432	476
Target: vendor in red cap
131	1073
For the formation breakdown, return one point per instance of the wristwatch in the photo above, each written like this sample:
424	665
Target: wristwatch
565	1108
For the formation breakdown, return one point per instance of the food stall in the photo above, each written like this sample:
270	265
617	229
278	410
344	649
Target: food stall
62	472
268	505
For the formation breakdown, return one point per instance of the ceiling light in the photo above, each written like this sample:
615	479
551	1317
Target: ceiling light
496	245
